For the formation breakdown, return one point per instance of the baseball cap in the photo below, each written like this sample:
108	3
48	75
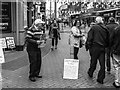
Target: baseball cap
38	21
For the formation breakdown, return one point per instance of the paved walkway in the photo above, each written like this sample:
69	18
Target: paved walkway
52	71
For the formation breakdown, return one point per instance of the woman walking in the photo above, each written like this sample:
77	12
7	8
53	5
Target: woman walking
55	35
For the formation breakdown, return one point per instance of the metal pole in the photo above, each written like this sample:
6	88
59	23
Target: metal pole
55	9
50	9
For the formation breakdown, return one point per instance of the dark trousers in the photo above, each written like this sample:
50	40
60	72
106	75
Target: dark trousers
108	63
55	41
97	53
35	62
76	52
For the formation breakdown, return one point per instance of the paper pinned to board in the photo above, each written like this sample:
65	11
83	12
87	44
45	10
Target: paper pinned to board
71	67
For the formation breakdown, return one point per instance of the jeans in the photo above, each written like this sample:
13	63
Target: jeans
55	41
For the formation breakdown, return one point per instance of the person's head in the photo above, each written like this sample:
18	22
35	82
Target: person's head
111	19
76	23
99	19
38	23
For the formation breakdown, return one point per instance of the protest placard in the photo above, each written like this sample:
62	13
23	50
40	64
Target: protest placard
71	67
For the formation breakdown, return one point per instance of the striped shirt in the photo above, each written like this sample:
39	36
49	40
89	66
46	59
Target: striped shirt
31	37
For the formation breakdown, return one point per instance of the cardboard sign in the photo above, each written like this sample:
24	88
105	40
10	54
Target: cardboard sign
10	42
71	67
2	59
3	42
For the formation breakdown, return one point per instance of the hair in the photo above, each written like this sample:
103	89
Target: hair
99	19
111	19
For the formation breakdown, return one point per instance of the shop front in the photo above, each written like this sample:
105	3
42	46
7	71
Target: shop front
12	22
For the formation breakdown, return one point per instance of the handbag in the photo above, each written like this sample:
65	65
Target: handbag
80	43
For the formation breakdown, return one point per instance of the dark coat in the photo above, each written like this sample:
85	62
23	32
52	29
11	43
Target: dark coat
97	36
115	41
111	26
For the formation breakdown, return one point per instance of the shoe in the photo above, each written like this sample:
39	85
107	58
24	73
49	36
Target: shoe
115	85
32	79
90	76
108	72
55	47
38	76
101	82
52	48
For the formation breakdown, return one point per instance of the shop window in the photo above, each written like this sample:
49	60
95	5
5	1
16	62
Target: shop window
5	18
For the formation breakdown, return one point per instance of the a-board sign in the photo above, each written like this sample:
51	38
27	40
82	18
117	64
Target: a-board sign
3	42
10	42
71	67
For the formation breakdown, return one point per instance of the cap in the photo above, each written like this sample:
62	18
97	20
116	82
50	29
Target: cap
38	21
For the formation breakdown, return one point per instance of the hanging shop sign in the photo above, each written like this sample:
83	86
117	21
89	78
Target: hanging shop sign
5	17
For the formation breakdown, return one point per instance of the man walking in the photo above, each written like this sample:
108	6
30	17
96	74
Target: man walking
115	49
111	26
97	41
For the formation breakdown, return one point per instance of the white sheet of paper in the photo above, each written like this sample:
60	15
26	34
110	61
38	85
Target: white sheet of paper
3	42
2	59
71	67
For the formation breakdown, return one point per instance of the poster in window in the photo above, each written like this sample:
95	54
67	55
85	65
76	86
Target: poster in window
5	18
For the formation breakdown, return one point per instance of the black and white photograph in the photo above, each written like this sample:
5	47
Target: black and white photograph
59	44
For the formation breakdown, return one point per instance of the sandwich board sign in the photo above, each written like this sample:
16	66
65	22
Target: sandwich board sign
2	59
10	42
71	67
3	42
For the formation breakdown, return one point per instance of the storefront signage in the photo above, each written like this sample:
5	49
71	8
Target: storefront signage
118	14
10	42
3	42
70	69
5	18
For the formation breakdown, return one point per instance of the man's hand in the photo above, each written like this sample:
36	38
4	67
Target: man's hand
39	42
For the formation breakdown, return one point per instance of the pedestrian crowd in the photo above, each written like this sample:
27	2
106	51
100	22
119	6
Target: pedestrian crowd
102	42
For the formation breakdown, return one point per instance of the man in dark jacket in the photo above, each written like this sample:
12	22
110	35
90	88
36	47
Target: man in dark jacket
111	26
97	41
115	49
34	52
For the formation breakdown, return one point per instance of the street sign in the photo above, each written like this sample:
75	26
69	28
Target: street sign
10	42
2	59
3	42
71	67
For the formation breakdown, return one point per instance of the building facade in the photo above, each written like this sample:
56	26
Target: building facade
14	17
